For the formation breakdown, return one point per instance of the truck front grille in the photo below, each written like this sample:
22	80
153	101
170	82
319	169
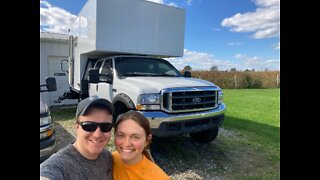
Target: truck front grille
177	100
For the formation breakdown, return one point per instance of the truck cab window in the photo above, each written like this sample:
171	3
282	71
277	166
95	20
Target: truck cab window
98	64
137	66
106	69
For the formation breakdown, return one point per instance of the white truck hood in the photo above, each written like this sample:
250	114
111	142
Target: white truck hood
155	84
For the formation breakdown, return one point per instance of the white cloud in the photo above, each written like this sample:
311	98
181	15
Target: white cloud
172	4
200	61
240	56
54	19
267	3
189	2
258	63
45	3
161	2
203	61
234	43
276	46
156	1
264	22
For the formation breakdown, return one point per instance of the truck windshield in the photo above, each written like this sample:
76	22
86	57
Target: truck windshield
139	66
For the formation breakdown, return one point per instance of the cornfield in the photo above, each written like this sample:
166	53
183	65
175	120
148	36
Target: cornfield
241	79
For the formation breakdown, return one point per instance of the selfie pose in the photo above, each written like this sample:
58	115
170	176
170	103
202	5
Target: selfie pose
87	157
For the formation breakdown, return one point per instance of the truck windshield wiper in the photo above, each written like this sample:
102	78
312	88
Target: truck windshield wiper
137	74
171	75
147	74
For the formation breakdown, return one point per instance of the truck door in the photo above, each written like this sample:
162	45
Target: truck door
103	89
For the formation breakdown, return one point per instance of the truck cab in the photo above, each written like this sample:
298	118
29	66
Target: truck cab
47	132
174	104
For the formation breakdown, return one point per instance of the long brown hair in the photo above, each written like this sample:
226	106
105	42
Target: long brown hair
142	122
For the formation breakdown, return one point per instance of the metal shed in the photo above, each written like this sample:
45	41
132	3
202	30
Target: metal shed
53	48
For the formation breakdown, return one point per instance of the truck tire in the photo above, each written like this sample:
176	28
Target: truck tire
205	136
120	108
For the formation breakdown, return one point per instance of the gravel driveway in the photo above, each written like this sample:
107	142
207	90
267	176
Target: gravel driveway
63	136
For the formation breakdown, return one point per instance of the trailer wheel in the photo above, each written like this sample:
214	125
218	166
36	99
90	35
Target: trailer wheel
205	136
120	108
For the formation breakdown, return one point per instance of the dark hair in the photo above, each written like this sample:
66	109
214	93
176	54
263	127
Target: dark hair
141	121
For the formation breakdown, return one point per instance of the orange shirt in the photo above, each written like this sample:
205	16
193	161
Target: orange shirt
144	169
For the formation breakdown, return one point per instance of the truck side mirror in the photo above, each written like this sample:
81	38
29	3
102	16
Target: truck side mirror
93	75
51	84
187	74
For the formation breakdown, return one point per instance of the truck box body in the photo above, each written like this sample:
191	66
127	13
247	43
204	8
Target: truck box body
130	26
126	27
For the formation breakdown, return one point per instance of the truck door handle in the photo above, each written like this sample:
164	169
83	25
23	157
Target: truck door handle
97	87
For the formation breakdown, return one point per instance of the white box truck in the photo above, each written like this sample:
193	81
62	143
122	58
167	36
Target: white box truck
116	51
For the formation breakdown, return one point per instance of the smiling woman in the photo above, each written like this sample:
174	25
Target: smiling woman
132	139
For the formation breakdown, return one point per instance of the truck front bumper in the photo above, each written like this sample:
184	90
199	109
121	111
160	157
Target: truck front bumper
163	124
47	147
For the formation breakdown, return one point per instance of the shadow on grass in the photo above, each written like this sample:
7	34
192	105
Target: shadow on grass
258	130
63	113
231	155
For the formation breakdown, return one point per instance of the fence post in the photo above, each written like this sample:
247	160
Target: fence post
277	80
235	81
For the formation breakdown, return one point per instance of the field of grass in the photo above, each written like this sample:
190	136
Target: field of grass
247	146
255	113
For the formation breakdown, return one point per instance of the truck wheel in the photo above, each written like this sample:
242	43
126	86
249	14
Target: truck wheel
120	108
205	136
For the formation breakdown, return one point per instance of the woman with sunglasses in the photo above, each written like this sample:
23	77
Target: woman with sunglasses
132	139
87	157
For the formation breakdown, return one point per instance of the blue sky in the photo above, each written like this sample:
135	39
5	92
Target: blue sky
241	34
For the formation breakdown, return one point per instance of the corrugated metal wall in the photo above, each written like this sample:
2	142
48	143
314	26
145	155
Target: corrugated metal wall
52	49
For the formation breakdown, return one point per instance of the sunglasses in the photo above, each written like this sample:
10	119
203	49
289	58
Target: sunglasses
90	126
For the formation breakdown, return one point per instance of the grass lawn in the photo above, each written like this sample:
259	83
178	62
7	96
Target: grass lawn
255	113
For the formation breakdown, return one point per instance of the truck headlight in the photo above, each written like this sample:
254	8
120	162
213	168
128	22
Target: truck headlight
46	130
220	96
45	120
46	133
148	102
